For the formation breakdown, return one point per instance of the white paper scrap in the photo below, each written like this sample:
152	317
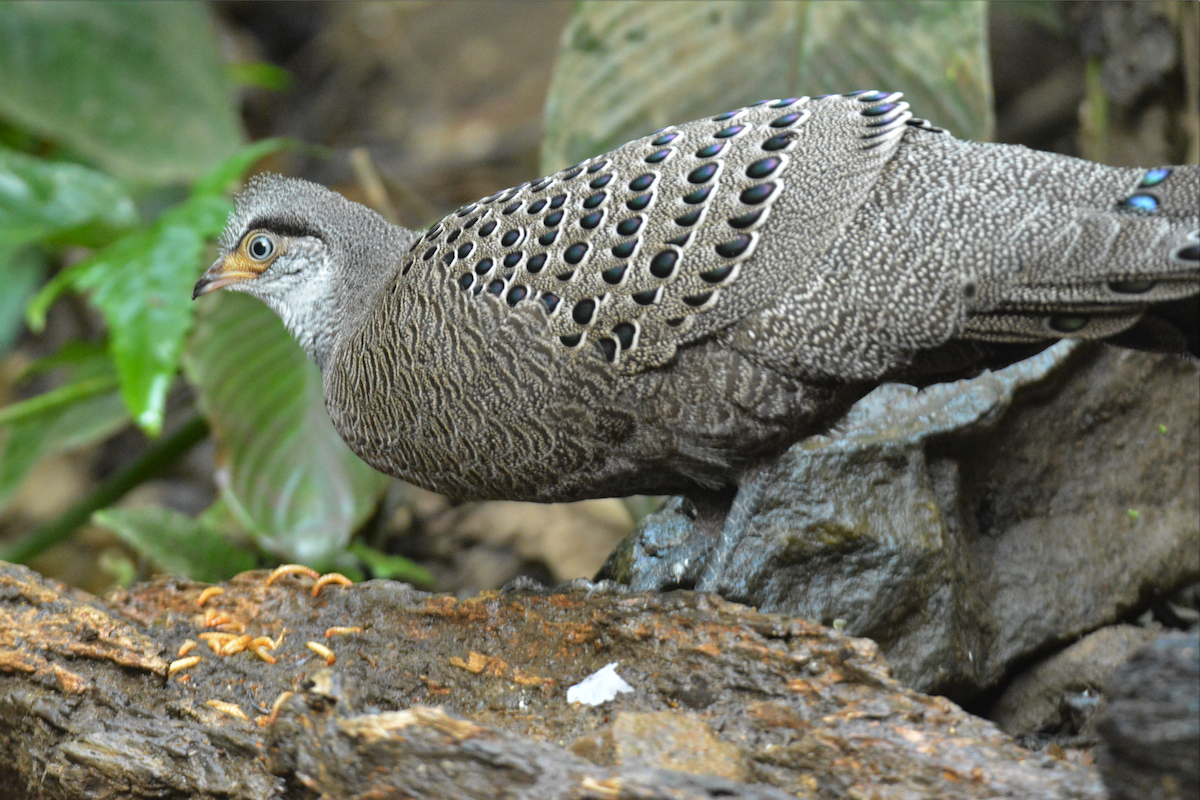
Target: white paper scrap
599	687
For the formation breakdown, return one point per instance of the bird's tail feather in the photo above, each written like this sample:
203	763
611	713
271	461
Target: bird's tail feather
1129	273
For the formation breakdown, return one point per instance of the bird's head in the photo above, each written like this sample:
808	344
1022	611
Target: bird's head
315	258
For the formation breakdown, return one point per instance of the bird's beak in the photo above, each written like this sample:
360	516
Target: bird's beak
224	271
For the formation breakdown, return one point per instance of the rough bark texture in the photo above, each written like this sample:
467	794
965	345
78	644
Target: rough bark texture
753	705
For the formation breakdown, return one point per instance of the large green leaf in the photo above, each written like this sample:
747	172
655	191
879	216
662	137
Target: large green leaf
139	88
21	274
85	410
142	285
283	471
177	543
59	202
628	68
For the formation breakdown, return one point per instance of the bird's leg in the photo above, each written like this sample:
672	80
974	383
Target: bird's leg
737	522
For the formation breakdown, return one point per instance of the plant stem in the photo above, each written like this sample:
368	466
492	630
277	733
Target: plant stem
160	455
64	395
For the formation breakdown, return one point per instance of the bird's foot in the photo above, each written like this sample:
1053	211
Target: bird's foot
687	545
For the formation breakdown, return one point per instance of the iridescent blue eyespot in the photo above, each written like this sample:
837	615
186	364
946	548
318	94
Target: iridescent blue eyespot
734	247
717	275
663	264
702	174
535	263
575	253
710	150
732	130
1155	176
756	194
638	202
629	226
745	220
624	332
624	249
516	294
666	138
642	182
762	168
658	156
785	120
583	311
613	275
879	110
1143	202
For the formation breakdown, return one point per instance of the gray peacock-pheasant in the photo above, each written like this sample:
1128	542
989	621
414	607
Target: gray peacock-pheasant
669	317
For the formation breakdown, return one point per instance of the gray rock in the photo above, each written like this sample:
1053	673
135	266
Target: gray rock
1044	697
969	526
1150	729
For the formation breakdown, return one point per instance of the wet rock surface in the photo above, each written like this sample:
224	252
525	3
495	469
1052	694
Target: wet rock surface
1061	693
968	527
427	696
1150	729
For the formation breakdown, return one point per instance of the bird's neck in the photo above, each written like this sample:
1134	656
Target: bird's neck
354	298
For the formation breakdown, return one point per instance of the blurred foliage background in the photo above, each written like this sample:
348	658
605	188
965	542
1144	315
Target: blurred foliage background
140	431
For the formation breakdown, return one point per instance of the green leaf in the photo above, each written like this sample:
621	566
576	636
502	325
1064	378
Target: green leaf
177	543
138	88
284	471
628	68
86	410
391	567
20	274
64	203
142	285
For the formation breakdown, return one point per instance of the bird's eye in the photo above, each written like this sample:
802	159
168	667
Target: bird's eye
260	247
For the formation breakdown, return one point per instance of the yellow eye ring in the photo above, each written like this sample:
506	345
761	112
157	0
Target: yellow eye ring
260	247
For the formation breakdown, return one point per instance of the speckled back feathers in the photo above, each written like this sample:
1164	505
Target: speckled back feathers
662	317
